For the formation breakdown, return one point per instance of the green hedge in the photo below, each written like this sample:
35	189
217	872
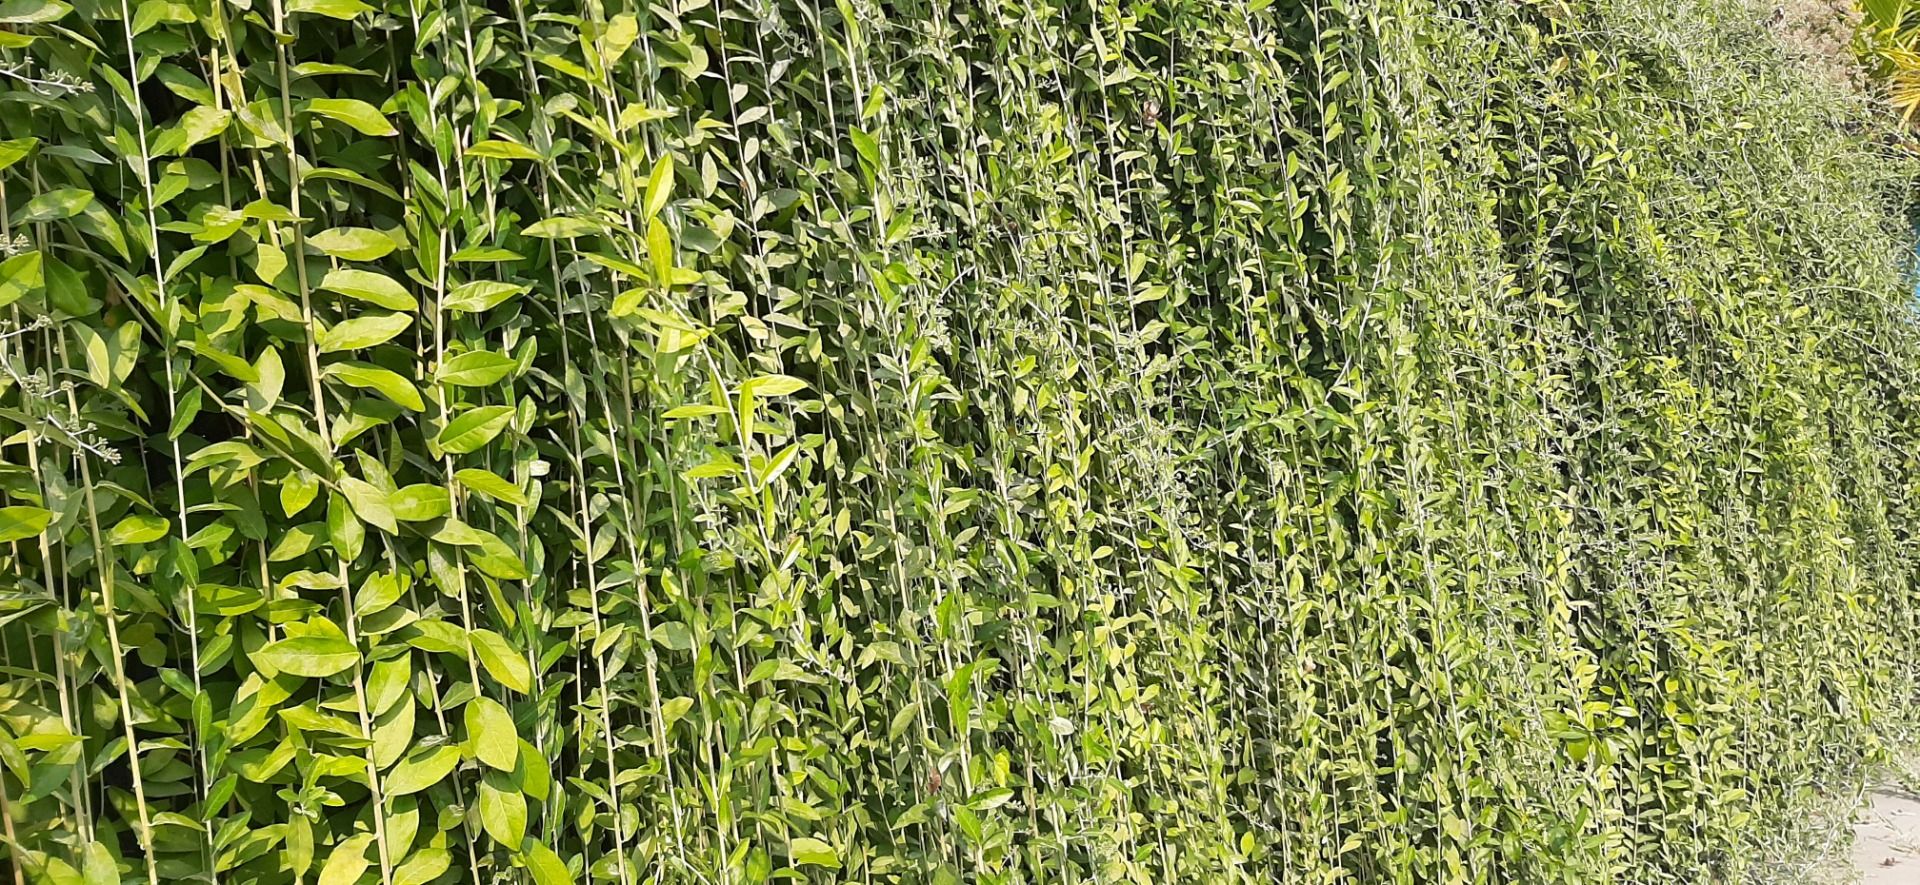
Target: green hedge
733	440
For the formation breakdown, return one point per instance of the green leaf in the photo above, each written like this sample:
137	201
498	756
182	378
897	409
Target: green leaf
139	528
376	595
98	866
16	149
353	243
503	810
362	332
55	205
492	485
32	12
20	276
368	376
373	288
810	851
659	186
420	770
356	113
502	150
340	9
421	502
547	868
154	12
424	866
201	123
506	665
480	295
673	635
864	143
347	862
21	522
774	385
474	428
561	227
491	735
369	503
476	368
312	656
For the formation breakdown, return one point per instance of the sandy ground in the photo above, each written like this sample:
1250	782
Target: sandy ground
1886	838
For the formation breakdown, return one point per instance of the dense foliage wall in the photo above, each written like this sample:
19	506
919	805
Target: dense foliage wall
727	440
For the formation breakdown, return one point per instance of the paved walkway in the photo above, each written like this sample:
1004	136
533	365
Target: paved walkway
1886	838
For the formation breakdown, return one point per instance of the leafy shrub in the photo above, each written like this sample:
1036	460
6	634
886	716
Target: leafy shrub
1169	441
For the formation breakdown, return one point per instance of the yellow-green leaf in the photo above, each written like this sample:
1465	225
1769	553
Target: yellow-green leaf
808	850
139	528
505	664
421	769
356	113
353	243
361	332
476	368
480	295
492	485
491	735
368	376
312	655
20	276
474	428
24	522
373	288
347	862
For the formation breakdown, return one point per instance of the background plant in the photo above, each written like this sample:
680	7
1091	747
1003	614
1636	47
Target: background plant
1161	441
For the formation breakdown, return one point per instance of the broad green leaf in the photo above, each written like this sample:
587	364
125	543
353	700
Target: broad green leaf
362	332
98	866
502	150
32	12
19	522
480	295
347	861
16	149
361	116
673	635
201	123
373	288
139	528
868	148
774	385
154	12
420	770
54	205
506	665
474	428
424	866
297	491
353	243
810	851
503	810
369	503
475	368
659	186
21	275
392	735
547	868
368	376
492	485
340	9
312	656
422	502
561	227
379	592
491	734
